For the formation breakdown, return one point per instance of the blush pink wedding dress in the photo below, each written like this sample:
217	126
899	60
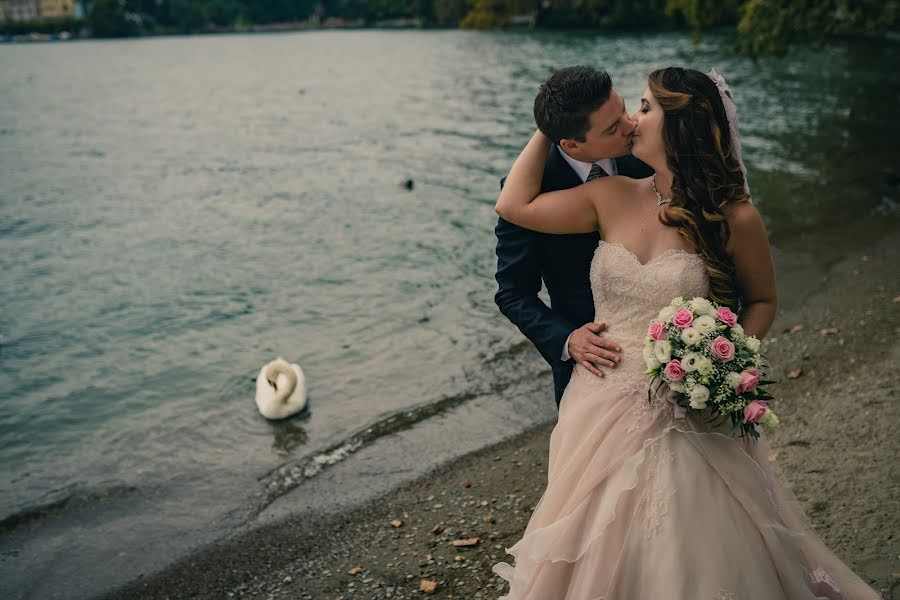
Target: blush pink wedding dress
643	505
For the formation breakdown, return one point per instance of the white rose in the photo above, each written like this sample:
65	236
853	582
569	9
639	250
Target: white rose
650	358
663	351
702	306
705	324
753	344
677	302
704	366
689	362
691	336
732	380
738	329
769	419
699	396
666	314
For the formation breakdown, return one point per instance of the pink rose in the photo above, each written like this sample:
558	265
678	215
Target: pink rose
749	379
755	410
683	318
657	330
722	349
673	370
726	316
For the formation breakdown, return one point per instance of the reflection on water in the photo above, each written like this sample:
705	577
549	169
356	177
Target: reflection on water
175	210
288	436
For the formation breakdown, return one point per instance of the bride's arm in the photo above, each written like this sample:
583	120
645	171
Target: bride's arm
755	271
566	211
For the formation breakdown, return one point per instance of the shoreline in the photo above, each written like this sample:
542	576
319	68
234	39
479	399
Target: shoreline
838	462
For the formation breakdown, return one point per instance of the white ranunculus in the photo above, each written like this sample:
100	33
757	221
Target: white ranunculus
738	329
753	344
705	324
663	351
689	361
704	366
650	357
769	419
676	302
699	396
733	380
666	314
702	306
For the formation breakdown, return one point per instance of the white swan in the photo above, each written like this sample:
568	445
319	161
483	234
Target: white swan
280	389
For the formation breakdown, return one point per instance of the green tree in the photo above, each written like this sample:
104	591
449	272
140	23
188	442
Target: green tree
108	19
448	13
699	14
486	14
769	26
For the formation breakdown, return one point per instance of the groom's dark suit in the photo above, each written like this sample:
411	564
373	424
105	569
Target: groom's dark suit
525	257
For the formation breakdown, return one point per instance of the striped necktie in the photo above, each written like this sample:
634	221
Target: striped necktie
596	173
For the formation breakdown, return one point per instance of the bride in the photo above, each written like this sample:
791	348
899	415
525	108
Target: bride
643	503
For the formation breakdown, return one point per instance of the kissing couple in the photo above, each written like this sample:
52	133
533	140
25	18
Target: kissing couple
617	213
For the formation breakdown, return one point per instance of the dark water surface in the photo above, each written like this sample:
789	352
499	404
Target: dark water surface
175	212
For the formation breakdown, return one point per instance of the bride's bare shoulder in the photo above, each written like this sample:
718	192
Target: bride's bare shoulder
742	215
748	230
613	192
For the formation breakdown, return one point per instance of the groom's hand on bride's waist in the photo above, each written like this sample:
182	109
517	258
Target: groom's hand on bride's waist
591	350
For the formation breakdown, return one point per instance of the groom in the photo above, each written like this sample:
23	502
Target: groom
580	111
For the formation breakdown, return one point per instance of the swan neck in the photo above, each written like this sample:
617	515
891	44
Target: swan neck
284	392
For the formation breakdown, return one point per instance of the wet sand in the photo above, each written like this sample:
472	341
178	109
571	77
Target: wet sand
838	448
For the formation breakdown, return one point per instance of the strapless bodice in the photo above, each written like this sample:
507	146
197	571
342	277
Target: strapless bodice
629	294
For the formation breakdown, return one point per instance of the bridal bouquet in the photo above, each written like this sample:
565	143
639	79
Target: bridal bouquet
699	349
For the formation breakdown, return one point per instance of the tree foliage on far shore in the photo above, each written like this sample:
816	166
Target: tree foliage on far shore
764	26
769	26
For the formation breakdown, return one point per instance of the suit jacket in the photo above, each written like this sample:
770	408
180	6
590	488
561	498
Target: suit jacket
525	258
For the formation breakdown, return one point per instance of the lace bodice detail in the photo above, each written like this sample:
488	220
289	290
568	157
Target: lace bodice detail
628	295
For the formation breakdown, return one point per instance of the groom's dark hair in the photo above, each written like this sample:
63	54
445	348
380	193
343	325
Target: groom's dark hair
565	101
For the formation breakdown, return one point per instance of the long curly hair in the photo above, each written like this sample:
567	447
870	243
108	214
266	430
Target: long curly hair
707	175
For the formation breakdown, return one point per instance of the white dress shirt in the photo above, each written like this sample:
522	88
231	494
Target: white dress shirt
583	169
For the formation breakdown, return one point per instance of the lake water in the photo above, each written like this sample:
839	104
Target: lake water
175	212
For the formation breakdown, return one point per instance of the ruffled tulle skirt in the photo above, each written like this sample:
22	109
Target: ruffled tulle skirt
643	505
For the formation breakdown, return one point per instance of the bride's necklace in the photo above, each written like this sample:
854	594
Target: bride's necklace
659	199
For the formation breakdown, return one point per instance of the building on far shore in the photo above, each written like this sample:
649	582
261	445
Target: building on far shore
19	10
36	10
56	9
